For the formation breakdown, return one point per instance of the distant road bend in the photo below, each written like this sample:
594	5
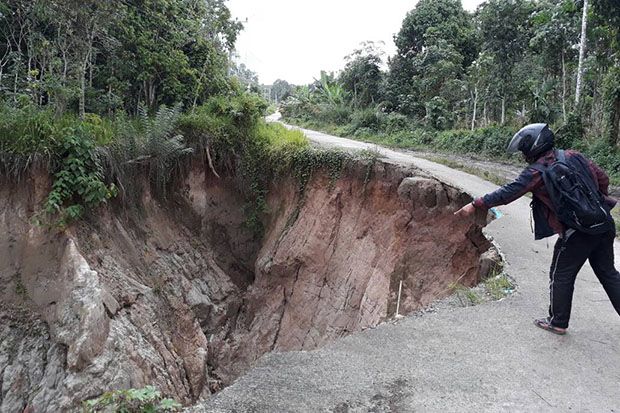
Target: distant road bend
488	357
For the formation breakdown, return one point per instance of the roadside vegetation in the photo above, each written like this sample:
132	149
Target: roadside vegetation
145	400
465	82
494	288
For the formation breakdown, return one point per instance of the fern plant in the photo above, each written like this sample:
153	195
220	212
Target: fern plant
149	143
161	145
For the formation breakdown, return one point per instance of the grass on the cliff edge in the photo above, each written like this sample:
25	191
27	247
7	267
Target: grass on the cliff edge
492	289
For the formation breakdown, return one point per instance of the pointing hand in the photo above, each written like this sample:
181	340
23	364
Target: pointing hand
466	211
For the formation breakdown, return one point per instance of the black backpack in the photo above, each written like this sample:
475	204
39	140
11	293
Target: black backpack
575	196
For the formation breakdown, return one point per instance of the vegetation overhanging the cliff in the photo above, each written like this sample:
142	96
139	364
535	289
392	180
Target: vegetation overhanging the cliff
95	159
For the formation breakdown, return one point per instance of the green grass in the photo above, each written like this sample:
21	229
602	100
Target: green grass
499	286
493	288
466	295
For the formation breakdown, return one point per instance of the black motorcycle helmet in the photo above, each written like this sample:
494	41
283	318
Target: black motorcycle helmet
533	141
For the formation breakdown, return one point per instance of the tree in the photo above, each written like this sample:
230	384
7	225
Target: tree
102	55
478	86
435	44
607	13
362	77
280	90
330	90
505	33
169	51
554	34
441	19
246	77
582	51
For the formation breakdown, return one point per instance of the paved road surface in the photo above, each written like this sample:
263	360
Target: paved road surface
487	358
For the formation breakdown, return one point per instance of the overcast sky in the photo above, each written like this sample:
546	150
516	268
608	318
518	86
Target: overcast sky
295	39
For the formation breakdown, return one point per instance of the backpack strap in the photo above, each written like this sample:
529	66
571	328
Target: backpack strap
560	156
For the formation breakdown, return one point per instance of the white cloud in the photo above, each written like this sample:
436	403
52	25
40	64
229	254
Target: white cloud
294	40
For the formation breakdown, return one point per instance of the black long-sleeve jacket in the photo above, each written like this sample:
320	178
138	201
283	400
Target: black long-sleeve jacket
546	222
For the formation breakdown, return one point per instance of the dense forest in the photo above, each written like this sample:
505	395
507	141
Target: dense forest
509	63
100	57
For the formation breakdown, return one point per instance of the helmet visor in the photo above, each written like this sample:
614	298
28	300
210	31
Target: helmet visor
531	132
513	146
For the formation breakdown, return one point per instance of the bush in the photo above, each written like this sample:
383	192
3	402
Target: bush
282	145
335	114
462	141
363	132
366	118
147	141
299	108
28	130
409	139
78	182
605	156
490	141
495	140
396	122
223	121
571	133
146	400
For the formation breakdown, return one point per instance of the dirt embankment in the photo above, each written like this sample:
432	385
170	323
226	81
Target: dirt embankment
180	295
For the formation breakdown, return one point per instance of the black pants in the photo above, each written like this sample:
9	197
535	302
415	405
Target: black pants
569	255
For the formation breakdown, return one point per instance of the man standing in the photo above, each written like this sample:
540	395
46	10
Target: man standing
577	241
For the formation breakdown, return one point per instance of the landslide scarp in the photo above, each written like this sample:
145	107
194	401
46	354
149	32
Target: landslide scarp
180	294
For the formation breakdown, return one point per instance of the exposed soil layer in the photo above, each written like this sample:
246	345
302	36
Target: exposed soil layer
180	295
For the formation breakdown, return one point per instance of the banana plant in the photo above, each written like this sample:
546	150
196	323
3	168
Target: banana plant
331	91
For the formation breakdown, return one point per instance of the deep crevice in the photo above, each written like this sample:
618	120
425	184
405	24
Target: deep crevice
331	259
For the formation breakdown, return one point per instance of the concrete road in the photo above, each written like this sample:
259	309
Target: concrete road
488	358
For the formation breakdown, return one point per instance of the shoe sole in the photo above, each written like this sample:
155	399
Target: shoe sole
547	327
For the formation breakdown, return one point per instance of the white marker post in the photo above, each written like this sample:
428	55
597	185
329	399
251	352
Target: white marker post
400	288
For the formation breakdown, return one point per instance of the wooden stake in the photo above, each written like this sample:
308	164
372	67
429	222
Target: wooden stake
400	288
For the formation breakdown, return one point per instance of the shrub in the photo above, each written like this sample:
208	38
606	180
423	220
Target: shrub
147	141
605	156
570	133
28	135
462	141
438	115
336	114
282	145
490	141
79	182
396	122
366	118
495	140
363	132
416	138
146	400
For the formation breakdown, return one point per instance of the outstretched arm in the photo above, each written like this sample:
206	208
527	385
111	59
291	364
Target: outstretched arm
526	182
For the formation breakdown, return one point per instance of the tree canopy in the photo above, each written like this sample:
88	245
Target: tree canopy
99	56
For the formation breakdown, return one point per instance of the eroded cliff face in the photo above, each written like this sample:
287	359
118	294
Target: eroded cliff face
180	295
